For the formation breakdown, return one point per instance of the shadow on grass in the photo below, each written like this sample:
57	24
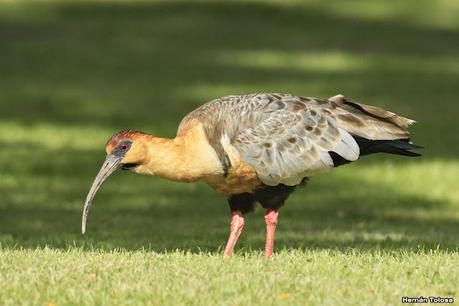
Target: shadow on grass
195	219
80	63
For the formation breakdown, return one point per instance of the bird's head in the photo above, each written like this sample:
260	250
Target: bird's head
125	150
128	148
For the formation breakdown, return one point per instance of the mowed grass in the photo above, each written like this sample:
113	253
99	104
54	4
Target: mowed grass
72	74
76	277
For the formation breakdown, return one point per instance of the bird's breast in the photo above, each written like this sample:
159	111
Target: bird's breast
242	178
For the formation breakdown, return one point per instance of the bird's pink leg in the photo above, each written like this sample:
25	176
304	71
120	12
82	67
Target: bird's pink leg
271	222
237	224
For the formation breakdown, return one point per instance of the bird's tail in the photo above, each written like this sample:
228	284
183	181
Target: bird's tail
374	129
398	146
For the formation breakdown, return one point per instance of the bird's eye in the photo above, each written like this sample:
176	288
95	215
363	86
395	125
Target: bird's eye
124	147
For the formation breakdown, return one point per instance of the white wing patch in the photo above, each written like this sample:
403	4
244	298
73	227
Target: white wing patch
293	141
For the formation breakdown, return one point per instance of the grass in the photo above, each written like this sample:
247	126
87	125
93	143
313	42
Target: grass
73	73
292	277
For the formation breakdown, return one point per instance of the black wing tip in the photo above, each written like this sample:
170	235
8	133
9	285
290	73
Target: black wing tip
411	154
401	147
408	146
414	146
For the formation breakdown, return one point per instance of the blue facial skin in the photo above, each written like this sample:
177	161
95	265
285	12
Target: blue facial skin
120	151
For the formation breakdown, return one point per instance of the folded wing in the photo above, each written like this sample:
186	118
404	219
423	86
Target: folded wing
293	141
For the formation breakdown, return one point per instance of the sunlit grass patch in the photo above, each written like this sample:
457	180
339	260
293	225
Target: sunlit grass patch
337	62
294	278
50	136
429	179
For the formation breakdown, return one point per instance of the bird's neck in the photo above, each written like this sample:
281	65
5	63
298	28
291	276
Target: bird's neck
188	157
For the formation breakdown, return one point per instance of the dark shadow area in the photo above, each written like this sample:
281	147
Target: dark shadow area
164	217
141	65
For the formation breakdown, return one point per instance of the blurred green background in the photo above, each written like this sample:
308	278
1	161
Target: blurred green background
72	73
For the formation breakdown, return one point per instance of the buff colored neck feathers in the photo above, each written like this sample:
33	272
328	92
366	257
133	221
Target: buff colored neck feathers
187	158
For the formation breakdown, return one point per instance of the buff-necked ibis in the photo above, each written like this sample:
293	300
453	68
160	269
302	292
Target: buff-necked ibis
258	148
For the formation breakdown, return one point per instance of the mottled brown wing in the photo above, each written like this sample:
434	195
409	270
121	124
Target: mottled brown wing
293	139
368	121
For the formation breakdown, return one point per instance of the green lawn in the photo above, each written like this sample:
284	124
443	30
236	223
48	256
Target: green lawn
73	73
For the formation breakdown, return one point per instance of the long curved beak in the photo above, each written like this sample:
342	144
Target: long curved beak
110	165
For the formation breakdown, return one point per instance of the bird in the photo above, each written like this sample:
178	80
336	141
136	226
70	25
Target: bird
257	148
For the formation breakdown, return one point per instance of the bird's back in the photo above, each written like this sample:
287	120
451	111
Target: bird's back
286	138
